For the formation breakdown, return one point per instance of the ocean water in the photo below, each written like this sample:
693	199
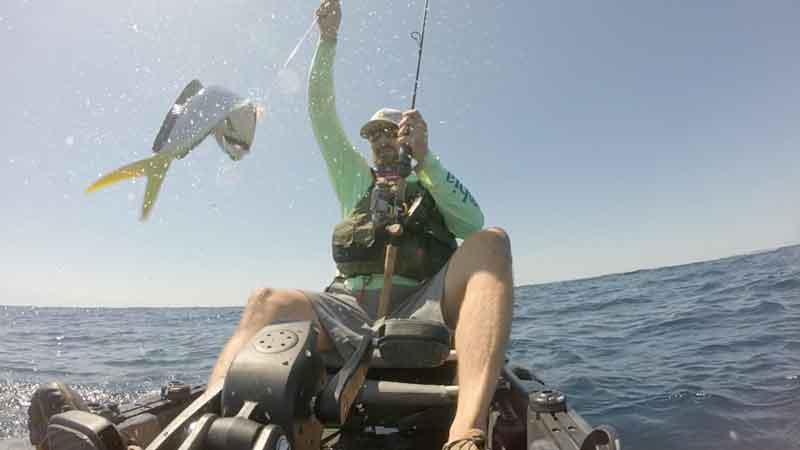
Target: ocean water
700	356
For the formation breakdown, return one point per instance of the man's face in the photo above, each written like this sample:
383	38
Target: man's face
384	145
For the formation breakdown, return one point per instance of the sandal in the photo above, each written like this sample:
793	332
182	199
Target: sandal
474	440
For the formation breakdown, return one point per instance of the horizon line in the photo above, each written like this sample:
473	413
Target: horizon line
571	280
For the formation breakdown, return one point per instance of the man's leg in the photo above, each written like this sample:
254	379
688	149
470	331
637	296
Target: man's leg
478	302
264	307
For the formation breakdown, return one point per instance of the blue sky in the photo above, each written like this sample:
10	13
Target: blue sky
604	136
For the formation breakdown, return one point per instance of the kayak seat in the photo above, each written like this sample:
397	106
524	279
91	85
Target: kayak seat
405	344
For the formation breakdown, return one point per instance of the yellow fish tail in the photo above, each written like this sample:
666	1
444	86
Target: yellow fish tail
155	168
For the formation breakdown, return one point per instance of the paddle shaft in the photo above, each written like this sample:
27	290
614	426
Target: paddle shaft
395	230
386	291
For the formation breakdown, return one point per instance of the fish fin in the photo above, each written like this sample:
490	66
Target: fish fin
133	170
188	92
155	168
155	177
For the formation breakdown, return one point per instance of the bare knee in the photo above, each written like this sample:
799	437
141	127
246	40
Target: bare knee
258	300
268	305
498	237
492	242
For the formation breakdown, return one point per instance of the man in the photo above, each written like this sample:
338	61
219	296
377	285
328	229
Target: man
471	292
469	289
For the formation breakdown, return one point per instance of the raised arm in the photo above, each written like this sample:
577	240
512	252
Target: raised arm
348	171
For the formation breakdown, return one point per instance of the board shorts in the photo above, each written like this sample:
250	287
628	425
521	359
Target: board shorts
348	317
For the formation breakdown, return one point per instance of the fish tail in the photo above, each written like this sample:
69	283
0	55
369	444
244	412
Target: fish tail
158	170
155	168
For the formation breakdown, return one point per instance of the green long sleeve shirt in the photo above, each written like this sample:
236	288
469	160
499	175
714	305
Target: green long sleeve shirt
350	173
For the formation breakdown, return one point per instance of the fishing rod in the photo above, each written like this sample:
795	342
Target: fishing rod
394	189
420	38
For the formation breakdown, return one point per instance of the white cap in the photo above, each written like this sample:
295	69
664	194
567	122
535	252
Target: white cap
384	118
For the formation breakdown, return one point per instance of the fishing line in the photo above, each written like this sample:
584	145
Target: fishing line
288	61
228	170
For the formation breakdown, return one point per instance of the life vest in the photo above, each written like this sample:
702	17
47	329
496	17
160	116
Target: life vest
359	247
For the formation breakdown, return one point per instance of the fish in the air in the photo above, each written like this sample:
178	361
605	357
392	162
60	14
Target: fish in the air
198	112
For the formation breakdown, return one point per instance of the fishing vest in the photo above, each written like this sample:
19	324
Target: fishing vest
359	247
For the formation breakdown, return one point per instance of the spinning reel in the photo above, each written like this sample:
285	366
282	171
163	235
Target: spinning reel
387	200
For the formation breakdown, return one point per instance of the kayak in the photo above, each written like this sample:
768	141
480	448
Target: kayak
394	392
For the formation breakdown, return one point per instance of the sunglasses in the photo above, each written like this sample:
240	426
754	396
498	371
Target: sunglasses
380	132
